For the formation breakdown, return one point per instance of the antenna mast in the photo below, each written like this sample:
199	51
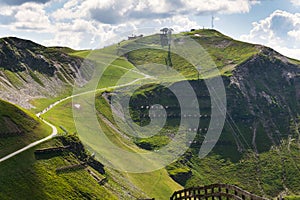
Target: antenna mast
212	21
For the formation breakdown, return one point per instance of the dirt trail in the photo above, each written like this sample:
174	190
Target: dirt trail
54	129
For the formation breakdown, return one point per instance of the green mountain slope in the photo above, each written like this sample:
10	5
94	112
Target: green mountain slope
262	89
25	177
18	128
156	184
259	145
226	52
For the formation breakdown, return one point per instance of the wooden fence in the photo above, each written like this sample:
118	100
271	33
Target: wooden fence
215	191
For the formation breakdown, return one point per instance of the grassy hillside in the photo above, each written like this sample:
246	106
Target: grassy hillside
264	175
42	103
18	128
258	118
262	99
27	177
156	184
24	177
253	152
112	66
268	175
224	51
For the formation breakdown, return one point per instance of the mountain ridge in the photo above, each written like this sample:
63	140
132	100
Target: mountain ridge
29	70
254	150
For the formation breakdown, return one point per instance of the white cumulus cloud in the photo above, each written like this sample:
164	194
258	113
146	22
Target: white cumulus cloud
281	31
80	23
295	2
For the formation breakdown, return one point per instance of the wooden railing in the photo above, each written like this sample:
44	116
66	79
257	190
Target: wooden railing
215	191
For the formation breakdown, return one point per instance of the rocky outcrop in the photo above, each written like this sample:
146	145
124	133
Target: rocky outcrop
29	70
270	85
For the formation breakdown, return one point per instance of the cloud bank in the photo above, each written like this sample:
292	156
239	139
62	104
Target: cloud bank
96	23
19	2
295	2
280	30
78	23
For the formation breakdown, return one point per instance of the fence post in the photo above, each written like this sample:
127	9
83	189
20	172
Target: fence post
227	192
199	191
220	190
214	192
189	195
205	190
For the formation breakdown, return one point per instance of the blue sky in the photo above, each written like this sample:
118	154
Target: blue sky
238	24
82	24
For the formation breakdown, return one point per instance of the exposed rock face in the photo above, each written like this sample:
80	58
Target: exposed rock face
29	70
270	86
262	99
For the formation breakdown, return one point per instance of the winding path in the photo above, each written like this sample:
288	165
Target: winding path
54	133
54	129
